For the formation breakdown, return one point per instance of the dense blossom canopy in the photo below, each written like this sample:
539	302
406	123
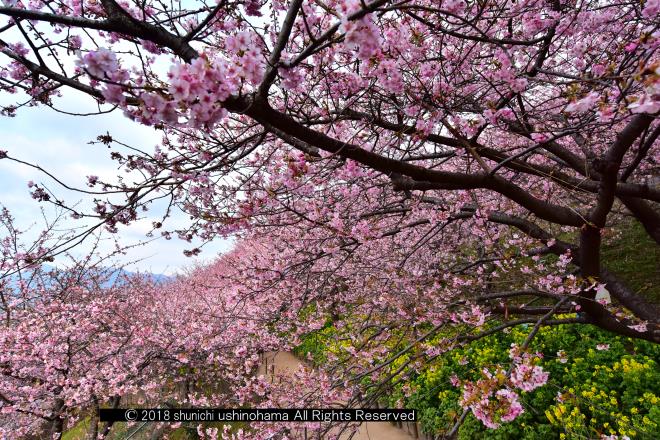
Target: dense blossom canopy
401	168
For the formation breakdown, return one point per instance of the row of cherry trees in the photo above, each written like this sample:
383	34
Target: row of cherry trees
405	169
75	339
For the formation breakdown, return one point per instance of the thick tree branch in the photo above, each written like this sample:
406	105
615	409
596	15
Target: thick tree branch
282	40
645	214
609	167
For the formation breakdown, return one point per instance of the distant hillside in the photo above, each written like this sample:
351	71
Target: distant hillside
113	275
122	273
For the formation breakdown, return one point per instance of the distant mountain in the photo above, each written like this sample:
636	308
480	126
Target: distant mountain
121	273
114	275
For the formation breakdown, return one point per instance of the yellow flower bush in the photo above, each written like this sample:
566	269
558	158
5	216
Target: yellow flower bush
591	392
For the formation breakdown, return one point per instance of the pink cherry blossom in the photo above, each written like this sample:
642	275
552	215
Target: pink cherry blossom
583	104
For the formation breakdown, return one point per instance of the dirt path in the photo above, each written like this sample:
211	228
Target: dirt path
284	362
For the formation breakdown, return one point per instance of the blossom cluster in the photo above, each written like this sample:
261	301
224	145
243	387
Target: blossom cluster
196	90
493	398
491	406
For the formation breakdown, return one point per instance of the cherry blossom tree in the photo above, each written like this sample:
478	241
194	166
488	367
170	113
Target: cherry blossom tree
399	167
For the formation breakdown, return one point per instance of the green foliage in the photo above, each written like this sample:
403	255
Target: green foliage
316	345
634	256
78	431
184	433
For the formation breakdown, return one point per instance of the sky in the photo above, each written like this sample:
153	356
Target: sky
60	144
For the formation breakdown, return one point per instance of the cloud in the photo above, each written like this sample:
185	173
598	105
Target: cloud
60	144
